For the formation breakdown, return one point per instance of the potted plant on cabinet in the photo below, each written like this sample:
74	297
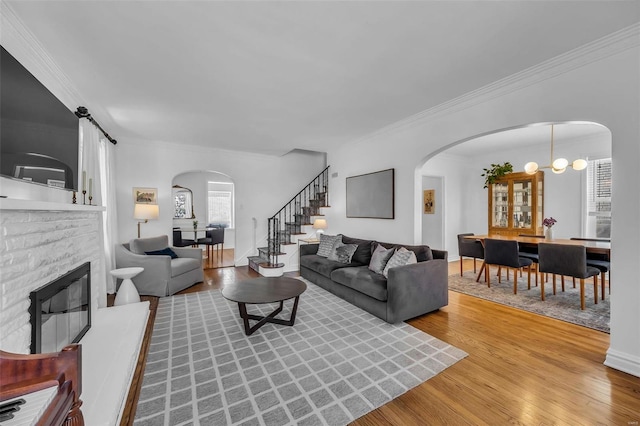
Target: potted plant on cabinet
496	172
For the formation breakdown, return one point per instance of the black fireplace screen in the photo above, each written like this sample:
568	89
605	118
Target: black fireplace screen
61	311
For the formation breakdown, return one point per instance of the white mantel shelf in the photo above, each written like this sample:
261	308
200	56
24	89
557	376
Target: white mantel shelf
18	204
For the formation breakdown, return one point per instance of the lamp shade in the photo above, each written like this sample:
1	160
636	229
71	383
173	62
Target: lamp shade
320	224
146	211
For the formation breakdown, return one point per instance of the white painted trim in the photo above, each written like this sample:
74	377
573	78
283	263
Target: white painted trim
623	362
17	204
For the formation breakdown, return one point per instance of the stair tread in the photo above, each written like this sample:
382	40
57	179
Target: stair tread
272	265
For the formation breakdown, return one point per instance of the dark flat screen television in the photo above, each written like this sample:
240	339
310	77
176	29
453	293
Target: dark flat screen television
38	133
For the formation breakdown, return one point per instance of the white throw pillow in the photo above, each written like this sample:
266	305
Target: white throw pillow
379	258
401	257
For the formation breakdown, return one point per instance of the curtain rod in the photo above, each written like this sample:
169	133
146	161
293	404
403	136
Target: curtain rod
83	112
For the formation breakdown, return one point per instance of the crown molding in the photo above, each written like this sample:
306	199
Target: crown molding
614	43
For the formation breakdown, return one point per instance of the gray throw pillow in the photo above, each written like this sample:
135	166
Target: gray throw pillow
326	244
342	252
379	258
401	257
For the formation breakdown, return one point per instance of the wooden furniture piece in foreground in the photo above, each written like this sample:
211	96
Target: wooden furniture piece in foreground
516	204
264	290
23	375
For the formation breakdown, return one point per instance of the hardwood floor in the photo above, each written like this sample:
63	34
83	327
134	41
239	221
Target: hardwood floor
522	368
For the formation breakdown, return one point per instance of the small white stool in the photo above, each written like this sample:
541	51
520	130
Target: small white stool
127	293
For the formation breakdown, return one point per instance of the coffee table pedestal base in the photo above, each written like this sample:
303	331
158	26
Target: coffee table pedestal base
249	330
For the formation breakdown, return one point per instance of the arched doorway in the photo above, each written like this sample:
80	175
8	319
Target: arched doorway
460	165
204	200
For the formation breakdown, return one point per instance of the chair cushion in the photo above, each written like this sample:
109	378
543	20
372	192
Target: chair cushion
143	245
164	252
363	280
182	265
322	265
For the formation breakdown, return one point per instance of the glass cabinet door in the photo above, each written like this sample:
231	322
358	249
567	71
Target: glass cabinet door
500	202
522	204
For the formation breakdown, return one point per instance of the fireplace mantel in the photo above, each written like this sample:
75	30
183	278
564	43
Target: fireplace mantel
19	204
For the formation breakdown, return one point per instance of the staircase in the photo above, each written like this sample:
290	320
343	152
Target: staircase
290	224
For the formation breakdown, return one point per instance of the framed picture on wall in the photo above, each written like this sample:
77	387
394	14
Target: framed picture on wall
145	195
429	201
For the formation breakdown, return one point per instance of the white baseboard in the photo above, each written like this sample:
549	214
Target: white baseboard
623	362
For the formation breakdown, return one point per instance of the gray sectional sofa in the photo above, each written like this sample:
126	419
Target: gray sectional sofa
409	290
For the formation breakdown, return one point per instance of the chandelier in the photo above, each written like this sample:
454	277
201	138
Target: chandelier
559	165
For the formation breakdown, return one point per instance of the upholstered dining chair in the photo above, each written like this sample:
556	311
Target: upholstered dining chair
569	260
530	253
178	241
504	253
469	248
213	237
600	261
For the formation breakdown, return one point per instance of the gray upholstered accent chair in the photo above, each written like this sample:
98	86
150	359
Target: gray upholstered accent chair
213	237
569	260
504	253
162	275
600	261
469	248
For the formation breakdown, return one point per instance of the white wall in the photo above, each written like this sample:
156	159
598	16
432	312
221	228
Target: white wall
263	184
603	89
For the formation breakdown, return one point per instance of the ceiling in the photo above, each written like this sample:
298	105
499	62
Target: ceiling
269	77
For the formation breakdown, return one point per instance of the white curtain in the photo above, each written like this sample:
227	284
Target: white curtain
97	164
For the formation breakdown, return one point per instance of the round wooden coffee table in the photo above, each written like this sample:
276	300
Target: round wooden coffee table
264	290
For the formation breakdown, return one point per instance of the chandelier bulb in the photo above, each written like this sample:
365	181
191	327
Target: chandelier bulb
579	164
531	167
560	163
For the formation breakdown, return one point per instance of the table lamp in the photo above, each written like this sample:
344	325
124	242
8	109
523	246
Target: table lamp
320	225
145	212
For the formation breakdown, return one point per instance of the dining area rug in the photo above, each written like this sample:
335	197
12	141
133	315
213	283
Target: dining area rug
564	306
336	363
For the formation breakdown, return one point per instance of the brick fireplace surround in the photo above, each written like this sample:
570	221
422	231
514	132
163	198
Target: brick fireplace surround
39	242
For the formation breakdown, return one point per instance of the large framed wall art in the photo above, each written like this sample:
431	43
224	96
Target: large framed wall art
372	195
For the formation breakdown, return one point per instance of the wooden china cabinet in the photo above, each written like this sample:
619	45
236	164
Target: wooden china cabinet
516	204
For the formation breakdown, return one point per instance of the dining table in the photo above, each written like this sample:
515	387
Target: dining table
600	247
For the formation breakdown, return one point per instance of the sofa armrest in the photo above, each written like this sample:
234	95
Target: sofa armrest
308	249
440	254
416	289
157	270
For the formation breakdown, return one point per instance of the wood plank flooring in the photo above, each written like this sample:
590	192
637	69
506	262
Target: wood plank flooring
522	368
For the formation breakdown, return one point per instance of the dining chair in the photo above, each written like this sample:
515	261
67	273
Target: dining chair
213	237
469	248
569	260
178	241
530	252
600	261
504	253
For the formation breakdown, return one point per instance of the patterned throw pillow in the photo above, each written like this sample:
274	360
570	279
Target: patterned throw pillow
326	244
342	252
379	258
401	257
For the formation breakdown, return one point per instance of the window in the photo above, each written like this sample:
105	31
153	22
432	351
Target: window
220	204
598	221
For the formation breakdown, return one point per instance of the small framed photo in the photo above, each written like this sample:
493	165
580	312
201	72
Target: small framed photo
145	195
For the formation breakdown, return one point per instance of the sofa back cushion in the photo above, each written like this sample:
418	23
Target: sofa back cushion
423	253
363	252
143	245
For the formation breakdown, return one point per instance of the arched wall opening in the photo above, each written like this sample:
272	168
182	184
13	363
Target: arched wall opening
462	204
199	182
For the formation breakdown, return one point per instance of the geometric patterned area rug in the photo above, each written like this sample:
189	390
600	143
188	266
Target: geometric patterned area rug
564	306
334	365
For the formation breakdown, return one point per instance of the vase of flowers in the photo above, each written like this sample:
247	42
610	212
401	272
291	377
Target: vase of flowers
548	223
